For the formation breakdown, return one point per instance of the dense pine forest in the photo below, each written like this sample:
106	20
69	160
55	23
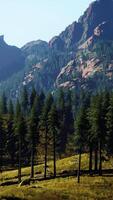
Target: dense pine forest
38	128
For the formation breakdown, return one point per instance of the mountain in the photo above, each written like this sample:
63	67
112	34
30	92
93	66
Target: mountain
11	60
81	57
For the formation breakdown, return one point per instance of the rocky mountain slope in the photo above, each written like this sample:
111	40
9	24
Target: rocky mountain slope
80	57
11	59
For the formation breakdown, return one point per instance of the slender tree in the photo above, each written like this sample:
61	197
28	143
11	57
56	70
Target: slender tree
109	125
24	100
53	129
94	116
104	99
33	129
19	131
44	127
3	104
32	97
11	140
2	145
62	119
81	135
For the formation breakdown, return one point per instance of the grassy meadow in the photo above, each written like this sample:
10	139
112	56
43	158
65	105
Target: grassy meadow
90	187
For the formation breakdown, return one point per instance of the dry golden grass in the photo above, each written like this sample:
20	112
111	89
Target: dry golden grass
94	187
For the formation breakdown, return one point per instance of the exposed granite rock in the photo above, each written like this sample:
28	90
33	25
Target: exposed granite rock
69	59
67	39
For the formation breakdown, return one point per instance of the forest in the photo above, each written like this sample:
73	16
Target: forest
38	128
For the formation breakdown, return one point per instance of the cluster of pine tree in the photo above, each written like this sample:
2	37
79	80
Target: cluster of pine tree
94	130
52	126
36	124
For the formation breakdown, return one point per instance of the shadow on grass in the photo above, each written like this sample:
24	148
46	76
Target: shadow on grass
64	174
11	198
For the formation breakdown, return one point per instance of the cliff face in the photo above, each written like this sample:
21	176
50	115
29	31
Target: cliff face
68	39
11	60
98	12
80	57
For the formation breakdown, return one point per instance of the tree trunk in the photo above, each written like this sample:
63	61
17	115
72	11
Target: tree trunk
12	160
100	159
1	161
1	152
96	160
19	164
79	168
45	169
32	162
54	151
90	160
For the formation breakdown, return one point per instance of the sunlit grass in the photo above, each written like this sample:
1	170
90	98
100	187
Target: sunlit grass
94	187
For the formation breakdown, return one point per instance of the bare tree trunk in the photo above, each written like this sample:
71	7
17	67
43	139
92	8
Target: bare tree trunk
1	159
45	169
32	162
1	164
90	160
100	159
96	160
54	146
19	164
79	168
12	160
1	152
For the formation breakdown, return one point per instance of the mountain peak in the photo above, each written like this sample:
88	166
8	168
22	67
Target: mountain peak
2	42
1	37
97	12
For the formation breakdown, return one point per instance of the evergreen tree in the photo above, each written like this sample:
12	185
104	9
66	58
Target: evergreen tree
2	143
11	140
62	119
10	108
32	96
42	98
81	124
20	131
53	129
33	129
24	100
69	120
94	117
3	104
104	99
109	125
44	127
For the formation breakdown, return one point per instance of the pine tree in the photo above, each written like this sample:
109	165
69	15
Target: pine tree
52	129
11	140
10	108
44	127
109	126
20	129
69	120
42	98
33	129
62	118
32	96
81	129
94	116
104	98
2	143
24	100
3	104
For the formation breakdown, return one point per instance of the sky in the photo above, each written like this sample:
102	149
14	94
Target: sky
22	21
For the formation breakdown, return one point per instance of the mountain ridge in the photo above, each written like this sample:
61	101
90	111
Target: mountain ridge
73	59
